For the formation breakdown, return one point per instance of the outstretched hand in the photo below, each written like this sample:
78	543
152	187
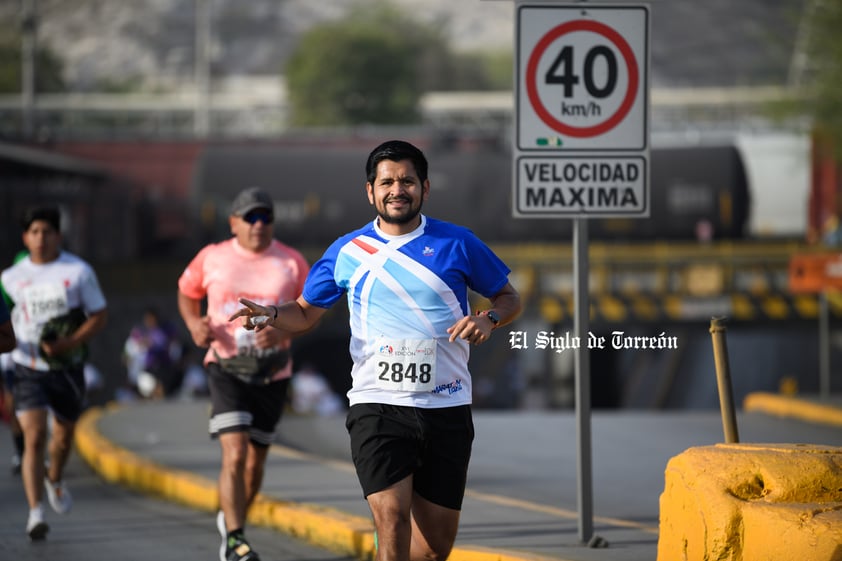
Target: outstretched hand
254	315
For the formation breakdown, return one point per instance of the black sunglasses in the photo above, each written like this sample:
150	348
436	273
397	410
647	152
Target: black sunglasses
253	216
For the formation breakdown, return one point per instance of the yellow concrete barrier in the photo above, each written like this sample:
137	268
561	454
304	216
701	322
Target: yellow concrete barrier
787	406
752	502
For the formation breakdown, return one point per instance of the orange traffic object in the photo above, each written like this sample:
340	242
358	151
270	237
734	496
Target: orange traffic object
815	272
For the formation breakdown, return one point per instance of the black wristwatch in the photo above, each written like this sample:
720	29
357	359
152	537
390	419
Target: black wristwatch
492	315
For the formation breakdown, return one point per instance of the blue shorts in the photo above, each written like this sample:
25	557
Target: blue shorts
63	391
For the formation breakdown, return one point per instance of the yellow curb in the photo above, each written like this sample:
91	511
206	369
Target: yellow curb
325	527
118	465
335	530
784	406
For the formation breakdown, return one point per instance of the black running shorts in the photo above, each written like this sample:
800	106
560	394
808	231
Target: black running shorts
237	406
391	442
63	391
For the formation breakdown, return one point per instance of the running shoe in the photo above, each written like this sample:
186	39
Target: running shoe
238	549
36	528
59	496
223	532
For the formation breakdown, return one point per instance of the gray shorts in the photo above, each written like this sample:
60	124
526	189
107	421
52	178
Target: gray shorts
63	391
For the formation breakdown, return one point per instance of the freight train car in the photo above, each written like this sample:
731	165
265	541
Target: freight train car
698	192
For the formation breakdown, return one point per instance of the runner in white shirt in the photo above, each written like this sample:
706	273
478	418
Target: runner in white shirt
406	278
57	307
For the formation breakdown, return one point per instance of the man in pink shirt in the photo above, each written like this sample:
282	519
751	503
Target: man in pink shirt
248	371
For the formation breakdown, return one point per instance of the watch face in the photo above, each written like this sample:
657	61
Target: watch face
492	315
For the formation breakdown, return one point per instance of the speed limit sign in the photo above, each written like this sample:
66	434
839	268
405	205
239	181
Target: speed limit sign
581	146
582	77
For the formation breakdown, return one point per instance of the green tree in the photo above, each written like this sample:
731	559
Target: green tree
826	52
374	66
446	70
498	68
48	67
818	97
360	70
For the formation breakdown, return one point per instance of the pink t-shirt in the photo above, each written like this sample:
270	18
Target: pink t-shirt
224	272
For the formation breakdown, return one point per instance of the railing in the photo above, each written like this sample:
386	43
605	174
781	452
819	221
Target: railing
666	281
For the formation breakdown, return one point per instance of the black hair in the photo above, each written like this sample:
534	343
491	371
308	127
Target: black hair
48	214
396	150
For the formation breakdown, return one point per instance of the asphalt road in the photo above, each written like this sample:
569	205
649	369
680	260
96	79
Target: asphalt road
111	522
532	455
521	488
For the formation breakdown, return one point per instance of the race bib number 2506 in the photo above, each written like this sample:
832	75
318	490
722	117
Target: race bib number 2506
405	364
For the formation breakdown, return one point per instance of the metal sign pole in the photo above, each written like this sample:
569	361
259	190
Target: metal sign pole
572	122
824	345
29	69
201	112
581	314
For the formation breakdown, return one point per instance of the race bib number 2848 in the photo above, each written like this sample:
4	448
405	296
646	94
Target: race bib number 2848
405	364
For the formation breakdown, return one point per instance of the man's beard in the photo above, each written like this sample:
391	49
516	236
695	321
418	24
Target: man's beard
404	218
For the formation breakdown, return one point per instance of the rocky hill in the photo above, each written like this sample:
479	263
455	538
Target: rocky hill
693	44
153	40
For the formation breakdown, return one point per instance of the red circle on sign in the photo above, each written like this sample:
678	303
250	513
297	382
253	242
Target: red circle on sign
532	70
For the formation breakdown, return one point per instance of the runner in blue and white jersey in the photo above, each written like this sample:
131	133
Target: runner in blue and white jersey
406	278
404	293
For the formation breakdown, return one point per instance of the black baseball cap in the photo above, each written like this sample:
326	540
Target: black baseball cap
251	199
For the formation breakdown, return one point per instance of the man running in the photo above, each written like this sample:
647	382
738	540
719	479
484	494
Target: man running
406	278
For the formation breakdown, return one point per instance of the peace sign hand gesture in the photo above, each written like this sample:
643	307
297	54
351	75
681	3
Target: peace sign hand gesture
254	315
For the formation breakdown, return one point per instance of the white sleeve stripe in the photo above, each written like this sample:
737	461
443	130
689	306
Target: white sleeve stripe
421	272
373	263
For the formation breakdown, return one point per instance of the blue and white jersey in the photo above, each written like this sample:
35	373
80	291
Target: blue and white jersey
403	293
